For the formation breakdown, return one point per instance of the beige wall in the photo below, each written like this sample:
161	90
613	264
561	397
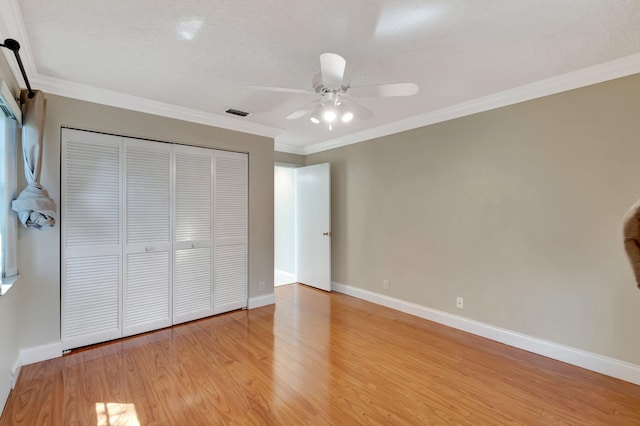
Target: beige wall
40	251
518	210
10	302
287	158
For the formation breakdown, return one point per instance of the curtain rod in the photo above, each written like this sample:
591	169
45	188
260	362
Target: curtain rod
13	45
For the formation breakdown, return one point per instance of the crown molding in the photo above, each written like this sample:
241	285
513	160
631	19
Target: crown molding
606	71
291	149
12	26
83	92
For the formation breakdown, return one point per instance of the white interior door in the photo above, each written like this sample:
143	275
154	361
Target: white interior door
147	230
230	194
193	253
313	226
91	238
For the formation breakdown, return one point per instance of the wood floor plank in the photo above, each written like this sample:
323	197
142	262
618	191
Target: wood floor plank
314	358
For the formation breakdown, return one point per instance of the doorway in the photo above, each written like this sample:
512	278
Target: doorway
284	225
302	225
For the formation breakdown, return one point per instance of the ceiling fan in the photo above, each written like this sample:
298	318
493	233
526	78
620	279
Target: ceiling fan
335	102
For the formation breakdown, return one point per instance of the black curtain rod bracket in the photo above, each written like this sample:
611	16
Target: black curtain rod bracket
13	45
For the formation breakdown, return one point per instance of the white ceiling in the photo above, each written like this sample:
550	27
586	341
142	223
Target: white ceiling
194	59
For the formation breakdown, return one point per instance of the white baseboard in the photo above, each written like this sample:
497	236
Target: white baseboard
283	277
4	395
28	356
601	364
15	372
13	378
40	353
260	301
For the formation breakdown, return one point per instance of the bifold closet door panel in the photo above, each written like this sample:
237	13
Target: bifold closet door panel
147	236
193	254
91	238
230	230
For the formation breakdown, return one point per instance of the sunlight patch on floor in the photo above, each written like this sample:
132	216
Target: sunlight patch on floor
115	413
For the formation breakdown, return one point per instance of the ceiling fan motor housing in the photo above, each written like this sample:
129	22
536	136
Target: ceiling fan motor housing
320	88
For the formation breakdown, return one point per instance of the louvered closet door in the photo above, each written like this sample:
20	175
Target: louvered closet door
147	236
91	238
193	278
230	231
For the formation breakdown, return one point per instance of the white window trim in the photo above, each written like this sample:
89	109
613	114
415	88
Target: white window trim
8	220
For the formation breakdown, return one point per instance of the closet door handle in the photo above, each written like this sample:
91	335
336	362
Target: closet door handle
193	245
148	249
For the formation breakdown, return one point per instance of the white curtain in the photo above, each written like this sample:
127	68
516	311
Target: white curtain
34	207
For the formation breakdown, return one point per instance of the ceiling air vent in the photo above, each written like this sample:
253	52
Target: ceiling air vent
237	112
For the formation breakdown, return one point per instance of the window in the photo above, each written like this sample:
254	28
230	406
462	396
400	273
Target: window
8	191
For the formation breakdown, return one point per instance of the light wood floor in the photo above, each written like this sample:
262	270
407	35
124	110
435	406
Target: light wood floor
315	358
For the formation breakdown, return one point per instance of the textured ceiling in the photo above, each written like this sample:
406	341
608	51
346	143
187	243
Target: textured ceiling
203	54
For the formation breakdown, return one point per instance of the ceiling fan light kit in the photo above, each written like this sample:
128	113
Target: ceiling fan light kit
316	114
329	115
328	111
336	101
346	115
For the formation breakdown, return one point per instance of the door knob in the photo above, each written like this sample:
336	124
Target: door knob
326	234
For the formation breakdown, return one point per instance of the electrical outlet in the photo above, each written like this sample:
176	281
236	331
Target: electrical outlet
385	284
261	285
459	302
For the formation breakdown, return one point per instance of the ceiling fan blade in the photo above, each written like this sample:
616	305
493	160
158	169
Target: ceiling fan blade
278	89
303	111
384	90
332	69
359	111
